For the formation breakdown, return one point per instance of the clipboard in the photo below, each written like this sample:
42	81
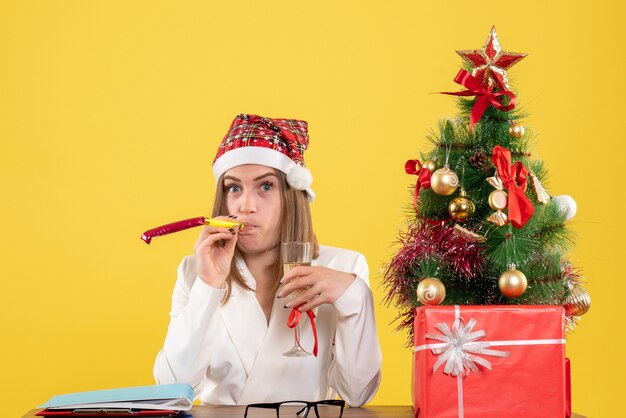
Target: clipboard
140	401
109	412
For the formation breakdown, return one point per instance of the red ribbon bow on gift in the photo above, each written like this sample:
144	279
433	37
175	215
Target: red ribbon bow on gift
294	320
514	179
423	178
485	95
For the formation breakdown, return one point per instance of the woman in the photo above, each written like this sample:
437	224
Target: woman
228	328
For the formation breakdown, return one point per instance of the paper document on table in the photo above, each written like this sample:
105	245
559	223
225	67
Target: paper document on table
177	396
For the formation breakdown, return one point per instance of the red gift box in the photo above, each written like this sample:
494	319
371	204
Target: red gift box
490	361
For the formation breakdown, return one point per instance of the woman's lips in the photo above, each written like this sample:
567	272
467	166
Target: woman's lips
247	229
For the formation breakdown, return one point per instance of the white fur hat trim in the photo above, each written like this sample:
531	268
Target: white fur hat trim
298	177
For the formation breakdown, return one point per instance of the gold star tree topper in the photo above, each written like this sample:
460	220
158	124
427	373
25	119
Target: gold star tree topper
491	62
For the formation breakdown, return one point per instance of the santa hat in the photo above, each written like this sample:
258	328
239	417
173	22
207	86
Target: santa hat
276	143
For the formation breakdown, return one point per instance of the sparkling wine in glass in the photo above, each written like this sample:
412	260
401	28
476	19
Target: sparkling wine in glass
296	254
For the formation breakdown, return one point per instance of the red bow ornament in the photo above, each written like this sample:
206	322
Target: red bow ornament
485	96
514	180
423	178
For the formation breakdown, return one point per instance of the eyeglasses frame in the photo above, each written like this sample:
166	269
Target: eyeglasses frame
309	405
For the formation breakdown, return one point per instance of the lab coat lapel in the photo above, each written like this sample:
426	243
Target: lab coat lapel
244	319
262	379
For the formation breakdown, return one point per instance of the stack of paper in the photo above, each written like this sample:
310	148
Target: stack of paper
157	400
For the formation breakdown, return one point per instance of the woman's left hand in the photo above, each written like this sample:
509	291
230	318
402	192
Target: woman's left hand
326	286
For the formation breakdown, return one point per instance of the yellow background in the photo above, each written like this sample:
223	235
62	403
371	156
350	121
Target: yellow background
111	112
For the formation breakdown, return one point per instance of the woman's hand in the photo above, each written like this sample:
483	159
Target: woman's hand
212	257
325	286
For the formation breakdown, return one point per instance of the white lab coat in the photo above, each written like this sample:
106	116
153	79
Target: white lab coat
232	356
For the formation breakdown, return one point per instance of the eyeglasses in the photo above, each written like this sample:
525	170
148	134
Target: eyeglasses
330	408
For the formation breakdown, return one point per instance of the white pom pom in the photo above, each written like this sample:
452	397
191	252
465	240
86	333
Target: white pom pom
299	177
567	205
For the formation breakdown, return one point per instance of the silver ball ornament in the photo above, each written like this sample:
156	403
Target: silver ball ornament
567	205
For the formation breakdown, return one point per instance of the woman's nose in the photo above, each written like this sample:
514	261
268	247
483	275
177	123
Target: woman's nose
248	203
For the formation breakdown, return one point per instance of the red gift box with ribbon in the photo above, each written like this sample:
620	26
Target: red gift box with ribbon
489	362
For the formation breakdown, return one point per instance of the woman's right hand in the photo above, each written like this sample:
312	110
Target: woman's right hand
212	258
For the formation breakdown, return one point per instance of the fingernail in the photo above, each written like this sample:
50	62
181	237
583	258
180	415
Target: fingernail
287	306
278	296
281	281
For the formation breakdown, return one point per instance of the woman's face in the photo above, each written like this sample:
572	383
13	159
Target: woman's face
253	193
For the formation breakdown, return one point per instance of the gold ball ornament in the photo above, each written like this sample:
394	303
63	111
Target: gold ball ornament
430	291
461	208
444	181
430	165
498	200
578	302
516	130
512	283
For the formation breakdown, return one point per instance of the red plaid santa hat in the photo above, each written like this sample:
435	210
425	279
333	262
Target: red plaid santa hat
276	143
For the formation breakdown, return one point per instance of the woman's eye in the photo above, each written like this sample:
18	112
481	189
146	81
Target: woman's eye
266	187
232	188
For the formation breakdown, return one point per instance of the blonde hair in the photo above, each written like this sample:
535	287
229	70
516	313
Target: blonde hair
296	225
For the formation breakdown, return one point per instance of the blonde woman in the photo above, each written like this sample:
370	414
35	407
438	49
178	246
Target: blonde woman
230	306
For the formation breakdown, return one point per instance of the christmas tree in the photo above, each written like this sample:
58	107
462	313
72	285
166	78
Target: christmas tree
482	229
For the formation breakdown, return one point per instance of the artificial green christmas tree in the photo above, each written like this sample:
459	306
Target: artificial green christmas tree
483	229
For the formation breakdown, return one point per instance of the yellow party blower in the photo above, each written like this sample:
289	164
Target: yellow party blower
186	224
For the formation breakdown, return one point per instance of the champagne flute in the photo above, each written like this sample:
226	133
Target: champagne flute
296	254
